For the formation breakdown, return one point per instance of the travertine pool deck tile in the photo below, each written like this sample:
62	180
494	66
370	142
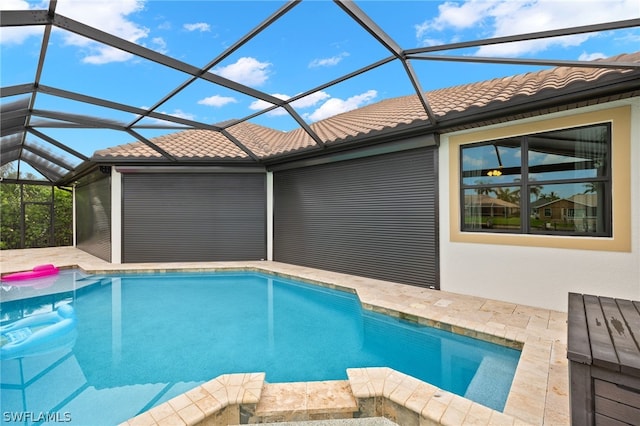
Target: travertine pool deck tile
539	394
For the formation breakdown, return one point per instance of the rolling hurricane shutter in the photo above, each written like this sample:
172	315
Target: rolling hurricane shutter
194	217
372	217
93	210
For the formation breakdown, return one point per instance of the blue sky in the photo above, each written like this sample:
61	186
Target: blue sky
313	43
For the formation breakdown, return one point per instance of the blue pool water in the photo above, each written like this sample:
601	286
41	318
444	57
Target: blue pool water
145	338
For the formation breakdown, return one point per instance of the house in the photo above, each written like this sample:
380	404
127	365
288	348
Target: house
387	193
578	212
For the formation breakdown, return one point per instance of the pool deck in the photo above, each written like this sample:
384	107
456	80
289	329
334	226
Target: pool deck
540	391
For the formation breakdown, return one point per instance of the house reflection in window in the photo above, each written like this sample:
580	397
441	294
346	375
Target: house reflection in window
555	182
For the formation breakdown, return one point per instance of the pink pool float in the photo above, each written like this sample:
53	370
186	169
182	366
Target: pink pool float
39	271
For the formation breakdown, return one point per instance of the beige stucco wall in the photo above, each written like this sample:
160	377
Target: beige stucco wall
541	270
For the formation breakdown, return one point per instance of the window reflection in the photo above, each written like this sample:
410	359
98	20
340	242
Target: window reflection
568	154
559	180
494	163
578	210
492	208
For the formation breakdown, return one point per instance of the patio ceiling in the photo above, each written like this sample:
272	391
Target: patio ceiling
28	126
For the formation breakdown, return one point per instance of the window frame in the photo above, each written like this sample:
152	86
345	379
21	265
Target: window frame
524	184
623	135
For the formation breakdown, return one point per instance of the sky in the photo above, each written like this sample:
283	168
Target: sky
314	43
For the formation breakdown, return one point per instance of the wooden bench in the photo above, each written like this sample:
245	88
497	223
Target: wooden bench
604	360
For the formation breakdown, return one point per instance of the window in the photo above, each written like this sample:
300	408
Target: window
565	174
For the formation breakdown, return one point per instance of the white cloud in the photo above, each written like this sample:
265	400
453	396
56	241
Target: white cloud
160	45
18	35
432	41
591	56
217	101
455	15
328	62
104	54
629	38
108	16
306	102
176	113
496	18
259	104
246	70
166	25
200	26
336	106
311	100
181	114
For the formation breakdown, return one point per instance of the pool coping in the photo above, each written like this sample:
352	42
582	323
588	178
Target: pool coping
539	393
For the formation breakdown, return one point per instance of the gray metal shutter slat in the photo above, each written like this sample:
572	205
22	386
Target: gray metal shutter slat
373	217
194	217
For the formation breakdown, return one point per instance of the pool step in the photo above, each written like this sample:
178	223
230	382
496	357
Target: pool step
295	402
367	421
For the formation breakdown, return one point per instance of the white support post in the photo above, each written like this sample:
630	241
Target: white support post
269	215
116	216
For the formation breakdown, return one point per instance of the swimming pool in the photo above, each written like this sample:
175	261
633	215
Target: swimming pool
145	338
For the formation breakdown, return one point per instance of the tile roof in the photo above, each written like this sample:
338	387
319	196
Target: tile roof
188	144
463	100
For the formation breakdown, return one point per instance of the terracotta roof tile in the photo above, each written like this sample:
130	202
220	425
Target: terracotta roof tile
384	115
188	144
130	150
292	141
